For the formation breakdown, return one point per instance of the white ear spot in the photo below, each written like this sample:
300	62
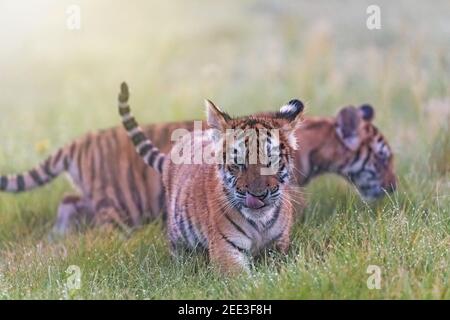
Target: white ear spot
292	109
287	108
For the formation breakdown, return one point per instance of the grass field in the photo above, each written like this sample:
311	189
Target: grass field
247	56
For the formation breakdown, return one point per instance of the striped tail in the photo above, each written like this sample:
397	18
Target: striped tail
144	147
36	177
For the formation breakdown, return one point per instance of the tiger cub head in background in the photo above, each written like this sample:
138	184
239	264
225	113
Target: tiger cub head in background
351	146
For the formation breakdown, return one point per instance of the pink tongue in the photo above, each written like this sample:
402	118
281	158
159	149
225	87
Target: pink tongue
253	202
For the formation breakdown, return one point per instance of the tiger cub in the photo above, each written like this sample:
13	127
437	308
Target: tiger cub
110	177
239	201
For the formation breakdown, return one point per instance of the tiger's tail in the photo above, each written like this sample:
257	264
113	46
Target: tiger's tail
38	176
151	155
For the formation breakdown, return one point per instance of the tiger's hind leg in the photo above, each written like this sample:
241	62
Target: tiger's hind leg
73	212
108	217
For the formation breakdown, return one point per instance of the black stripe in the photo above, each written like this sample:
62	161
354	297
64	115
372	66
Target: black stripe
20	183
46	168
179	219
36	177
118	194
57	157
3	183
159	166
102	168
313	164
202	239
358	154
164	216
134	191
369	151
181	225
138	138
236	226
124	110
274	218
151	159
145	149
252	223
93	169
283	177
71	199
197	240
130	124
231	181
161	202
88	144
72	150
79	158
234	245
66	163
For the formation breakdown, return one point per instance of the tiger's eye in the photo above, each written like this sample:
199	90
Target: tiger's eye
234	167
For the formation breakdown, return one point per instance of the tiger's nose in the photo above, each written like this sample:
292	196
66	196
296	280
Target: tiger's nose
260	194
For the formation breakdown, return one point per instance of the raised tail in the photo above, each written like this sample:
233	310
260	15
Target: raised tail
151	155
38	176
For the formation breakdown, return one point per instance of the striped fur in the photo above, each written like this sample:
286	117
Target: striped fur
361	155
108	173
114	185
38	176
146	150
231	212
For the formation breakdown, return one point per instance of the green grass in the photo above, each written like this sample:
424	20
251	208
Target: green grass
247	56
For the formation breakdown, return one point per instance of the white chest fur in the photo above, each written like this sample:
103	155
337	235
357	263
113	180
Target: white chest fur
258	229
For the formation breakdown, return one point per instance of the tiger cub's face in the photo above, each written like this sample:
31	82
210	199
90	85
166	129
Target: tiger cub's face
256	156
369	159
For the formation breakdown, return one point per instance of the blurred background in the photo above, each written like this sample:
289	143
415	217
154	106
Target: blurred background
57	83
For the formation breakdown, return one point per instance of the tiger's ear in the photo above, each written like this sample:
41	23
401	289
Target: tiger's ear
292	110
216	118
347	127
293	113
367	112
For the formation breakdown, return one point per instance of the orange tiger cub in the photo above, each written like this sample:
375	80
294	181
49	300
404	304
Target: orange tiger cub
236	204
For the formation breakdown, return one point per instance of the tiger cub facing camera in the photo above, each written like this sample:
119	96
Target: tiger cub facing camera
235	207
